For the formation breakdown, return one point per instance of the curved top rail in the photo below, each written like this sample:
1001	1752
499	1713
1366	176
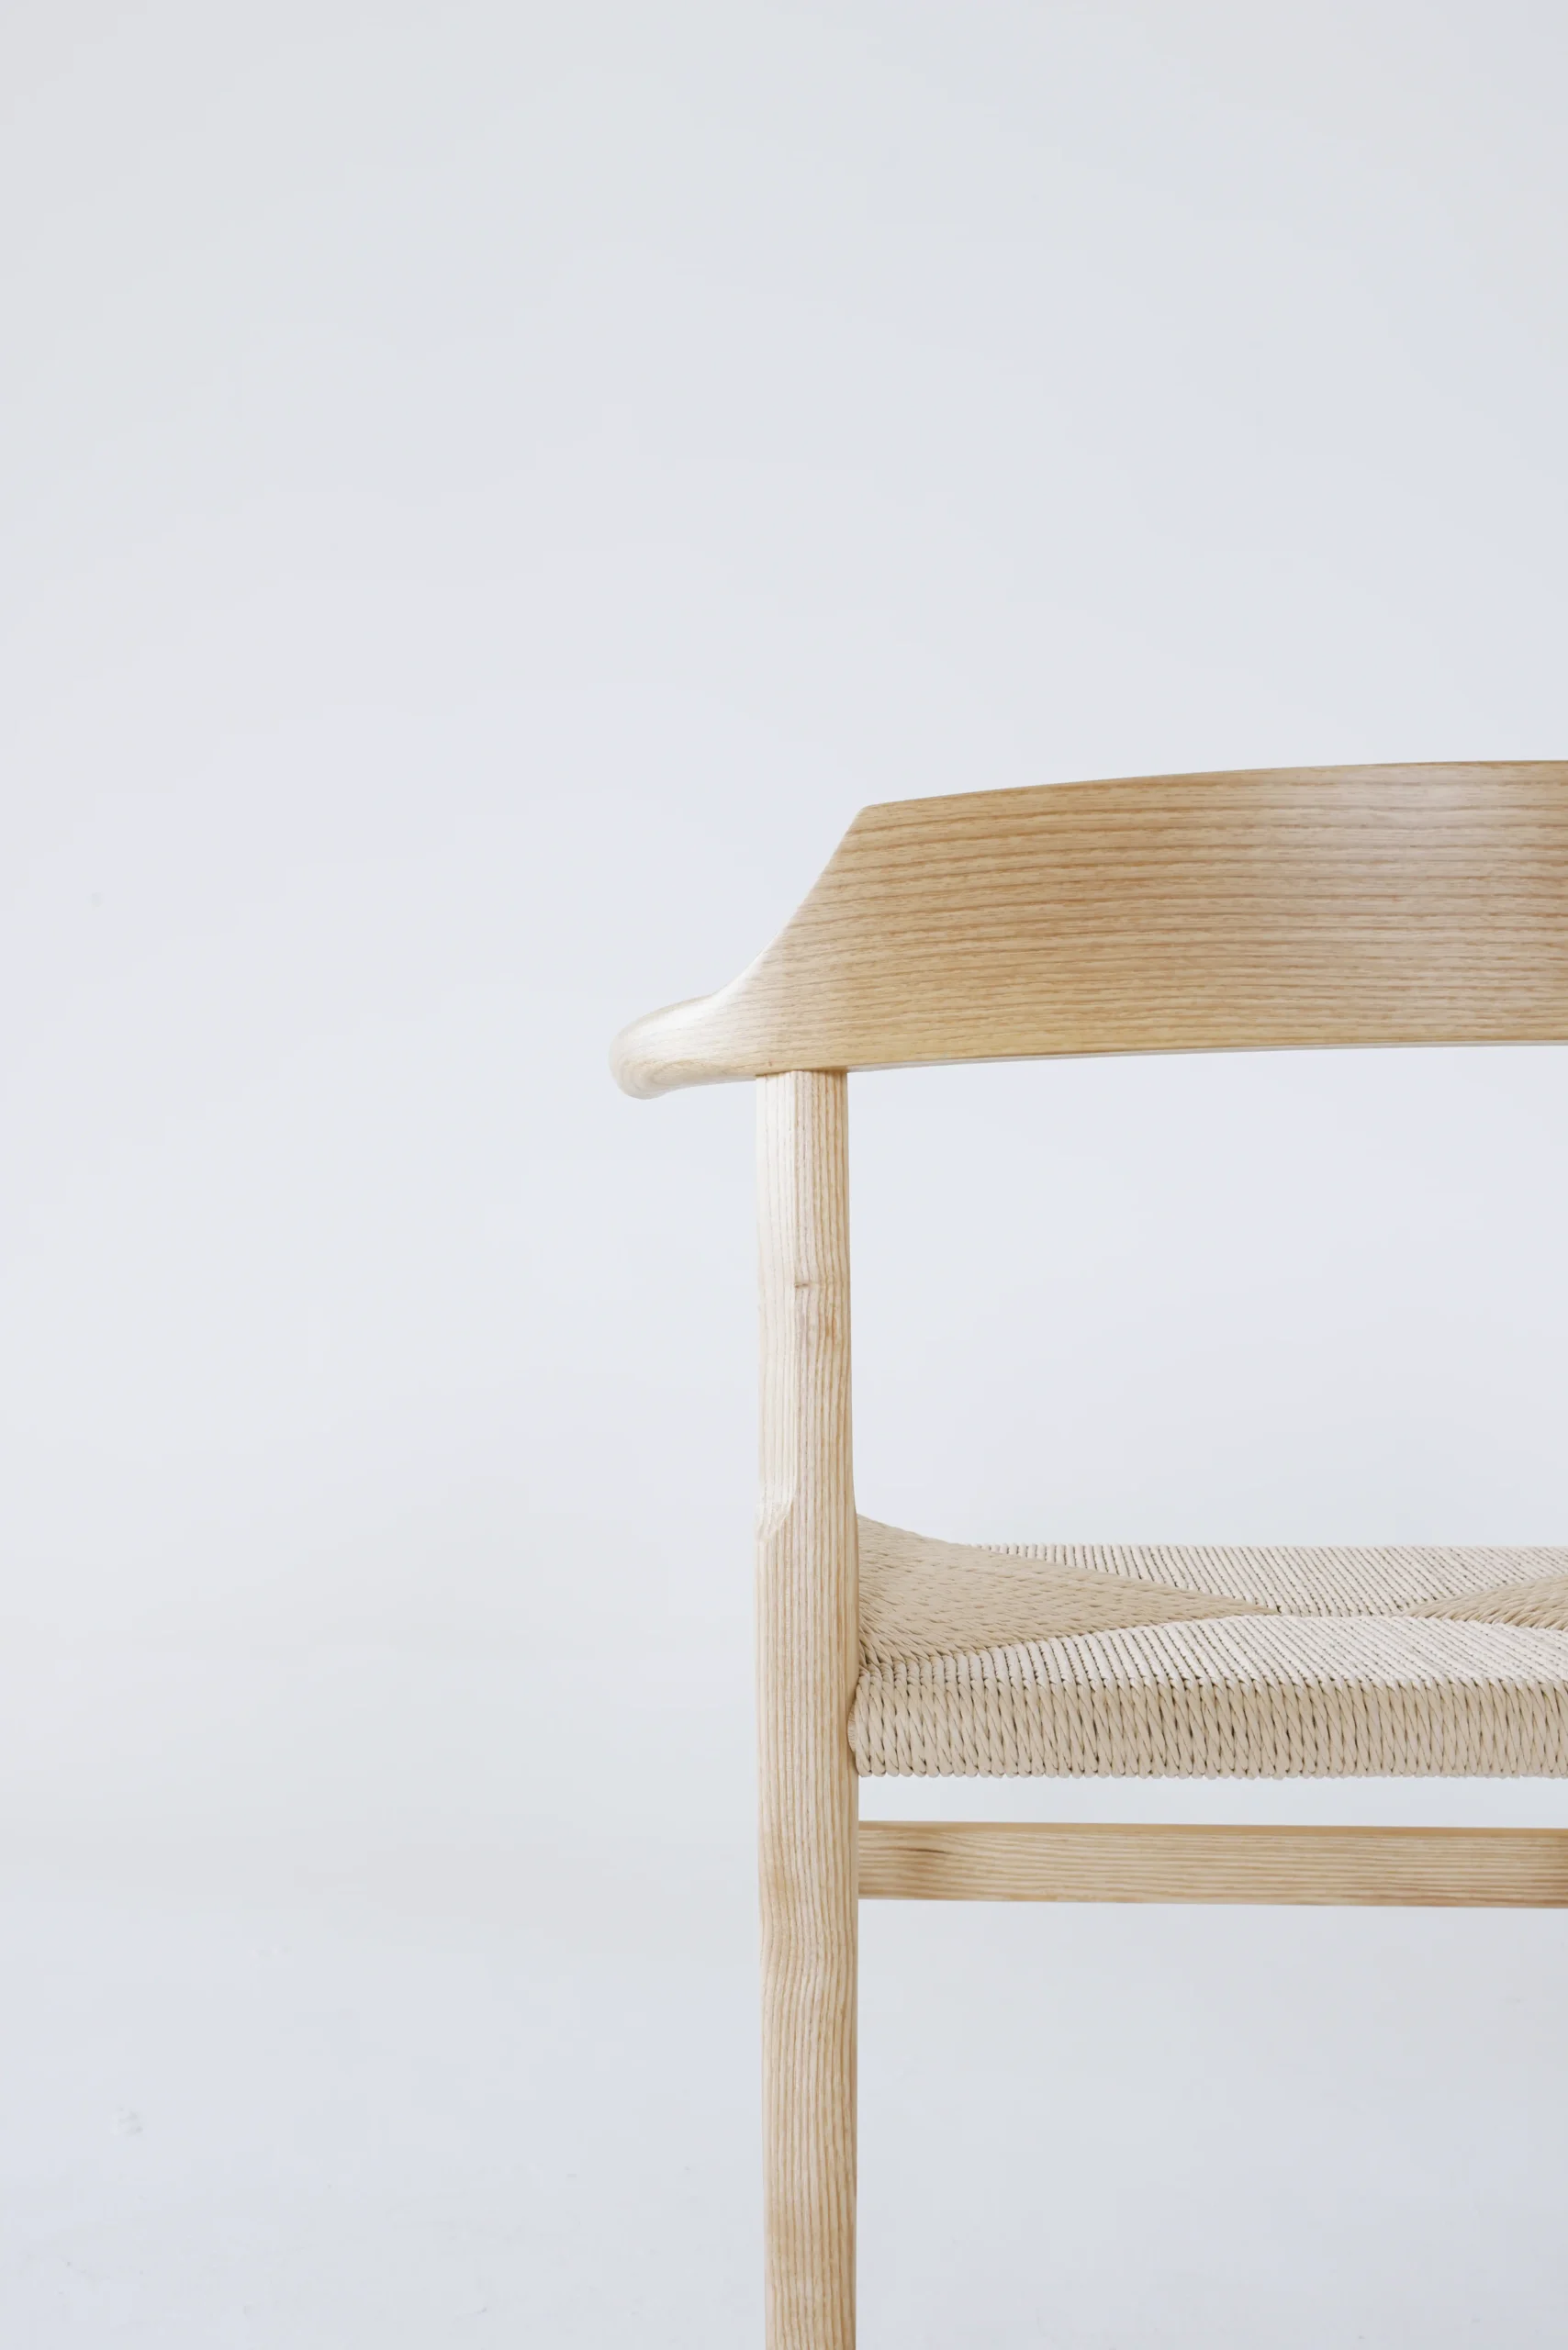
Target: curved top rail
1302	906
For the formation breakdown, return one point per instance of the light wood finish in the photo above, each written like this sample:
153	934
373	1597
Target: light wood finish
1484	1868
1301	907
1295	906
808	1660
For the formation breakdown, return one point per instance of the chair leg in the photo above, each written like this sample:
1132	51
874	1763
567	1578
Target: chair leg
808	2104
807	1658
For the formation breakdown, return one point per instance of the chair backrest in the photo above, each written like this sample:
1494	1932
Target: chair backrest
1296	906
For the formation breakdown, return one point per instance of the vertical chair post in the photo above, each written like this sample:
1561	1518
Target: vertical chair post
808	1636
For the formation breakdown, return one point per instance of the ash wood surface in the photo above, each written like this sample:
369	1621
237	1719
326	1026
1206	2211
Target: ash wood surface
1505	1868
1293	906
807	1661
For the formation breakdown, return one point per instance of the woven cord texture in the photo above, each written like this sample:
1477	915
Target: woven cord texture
1164	1662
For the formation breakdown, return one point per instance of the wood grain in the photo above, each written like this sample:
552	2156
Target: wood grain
807	1663
1291	907
1480	1868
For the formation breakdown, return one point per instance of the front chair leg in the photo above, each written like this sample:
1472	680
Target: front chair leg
807	1661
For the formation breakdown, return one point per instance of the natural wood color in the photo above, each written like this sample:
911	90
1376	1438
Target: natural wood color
1296	906
1472	1868
1301	907
807	1660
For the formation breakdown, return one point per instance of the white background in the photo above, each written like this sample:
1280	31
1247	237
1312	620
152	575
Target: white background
489	490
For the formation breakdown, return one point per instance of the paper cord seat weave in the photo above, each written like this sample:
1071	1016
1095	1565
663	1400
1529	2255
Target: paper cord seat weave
1156	1661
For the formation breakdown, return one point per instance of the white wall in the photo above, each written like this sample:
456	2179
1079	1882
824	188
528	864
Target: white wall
488	491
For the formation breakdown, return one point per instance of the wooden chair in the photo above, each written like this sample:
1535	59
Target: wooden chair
1303	907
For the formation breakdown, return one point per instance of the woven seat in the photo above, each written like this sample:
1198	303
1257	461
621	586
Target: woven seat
1161	1662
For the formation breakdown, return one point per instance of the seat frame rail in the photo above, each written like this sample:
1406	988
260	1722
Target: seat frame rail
1472	1868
